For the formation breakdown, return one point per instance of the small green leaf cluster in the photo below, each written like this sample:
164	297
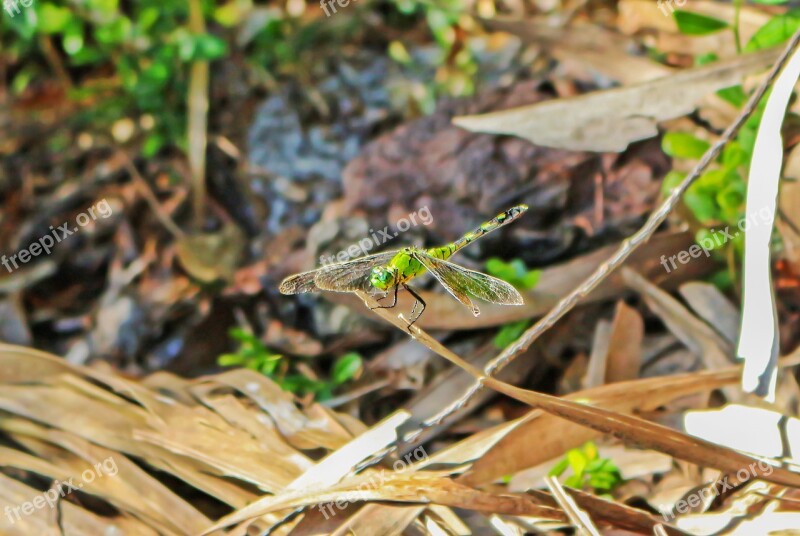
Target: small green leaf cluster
514	272
253	354
588	470
510	333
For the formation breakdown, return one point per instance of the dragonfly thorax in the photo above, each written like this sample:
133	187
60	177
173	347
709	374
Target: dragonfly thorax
383	277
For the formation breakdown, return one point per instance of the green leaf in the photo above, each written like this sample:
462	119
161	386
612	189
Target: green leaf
87	56
722	280
734	156
695	24
106	7
268	365
702	204
731	200
299	384
229	15
204	47
147	18
776	31
589	450
671	181
531	279
398	52
577	460
229	360
684	145
559	468
514	272
73	38
603	481
154	77
53	19
734	95
209	47
705	59
510	333
713	180
152	145
747	138
115	32
346	367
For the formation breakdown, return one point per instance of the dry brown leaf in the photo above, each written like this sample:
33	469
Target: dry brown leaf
610	120
625	346
412	487
698	336
595	47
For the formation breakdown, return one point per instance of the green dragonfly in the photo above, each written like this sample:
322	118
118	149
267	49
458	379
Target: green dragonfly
391	270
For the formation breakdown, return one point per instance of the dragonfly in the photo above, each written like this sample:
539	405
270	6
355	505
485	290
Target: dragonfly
388	271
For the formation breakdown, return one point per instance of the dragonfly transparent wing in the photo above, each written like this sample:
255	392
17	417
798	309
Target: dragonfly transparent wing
461	282
341	277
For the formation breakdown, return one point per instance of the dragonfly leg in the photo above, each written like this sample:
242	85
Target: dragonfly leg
418	301
394	302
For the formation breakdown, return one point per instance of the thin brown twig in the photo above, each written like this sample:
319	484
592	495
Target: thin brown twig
150	197
197	126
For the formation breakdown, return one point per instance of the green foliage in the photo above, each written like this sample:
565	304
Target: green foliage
776	31
683	145
143	48
456	64
253	354
588	470
346	368
717	197
514	272
695	24
510	333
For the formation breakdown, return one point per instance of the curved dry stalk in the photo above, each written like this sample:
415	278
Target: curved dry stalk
628	428
628	246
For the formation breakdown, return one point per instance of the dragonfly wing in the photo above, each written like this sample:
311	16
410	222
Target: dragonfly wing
466	281
341	277
299	283
432	265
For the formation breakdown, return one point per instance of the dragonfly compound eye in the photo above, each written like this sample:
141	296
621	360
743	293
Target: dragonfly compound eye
381	278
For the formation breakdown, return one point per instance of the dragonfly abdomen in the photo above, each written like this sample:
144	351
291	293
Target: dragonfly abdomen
486	227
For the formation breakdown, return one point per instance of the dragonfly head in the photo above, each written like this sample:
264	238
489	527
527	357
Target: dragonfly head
383	278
